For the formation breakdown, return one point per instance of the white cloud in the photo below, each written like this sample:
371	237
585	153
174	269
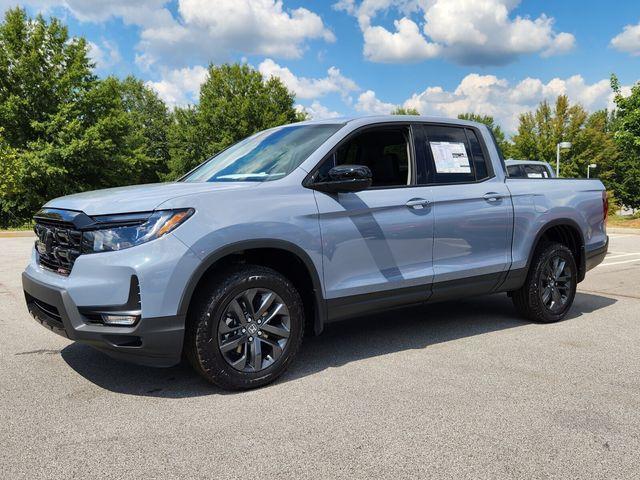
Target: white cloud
470	32
406	44
304	87
317	111
181	86
204	31
204	34
105	55
562	43
369	103
490	95
628	40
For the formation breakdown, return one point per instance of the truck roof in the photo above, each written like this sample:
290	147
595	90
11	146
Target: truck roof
371	119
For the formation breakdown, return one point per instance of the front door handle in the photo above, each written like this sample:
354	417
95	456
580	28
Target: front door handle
493	196
418	203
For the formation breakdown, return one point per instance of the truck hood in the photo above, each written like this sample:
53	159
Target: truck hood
137	198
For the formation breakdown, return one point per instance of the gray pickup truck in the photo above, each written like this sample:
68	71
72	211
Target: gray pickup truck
302	225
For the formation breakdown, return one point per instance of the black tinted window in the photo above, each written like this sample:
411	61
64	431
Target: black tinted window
385	151
514	171
479	160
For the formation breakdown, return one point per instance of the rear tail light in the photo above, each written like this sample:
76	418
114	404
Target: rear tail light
605	206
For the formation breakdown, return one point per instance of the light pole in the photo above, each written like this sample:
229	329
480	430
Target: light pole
563	145
589	167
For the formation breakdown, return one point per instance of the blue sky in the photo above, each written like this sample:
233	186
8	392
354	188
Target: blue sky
344	57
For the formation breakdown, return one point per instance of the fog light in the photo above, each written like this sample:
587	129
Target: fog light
121	320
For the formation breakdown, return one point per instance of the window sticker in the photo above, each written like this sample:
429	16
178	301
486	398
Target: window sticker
450	157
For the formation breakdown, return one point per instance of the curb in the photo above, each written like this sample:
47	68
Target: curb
16	233
629	231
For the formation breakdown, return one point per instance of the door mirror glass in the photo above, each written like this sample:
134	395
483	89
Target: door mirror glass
346	178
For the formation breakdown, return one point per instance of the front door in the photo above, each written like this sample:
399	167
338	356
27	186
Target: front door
377	244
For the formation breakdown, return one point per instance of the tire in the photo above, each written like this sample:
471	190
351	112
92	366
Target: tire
221	317
533	300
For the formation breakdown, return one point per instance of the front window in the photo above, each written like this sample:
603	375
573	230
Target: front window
384	150
267	155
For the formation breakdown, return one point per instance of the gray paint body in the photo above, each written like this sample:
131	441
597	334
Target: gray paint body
357	243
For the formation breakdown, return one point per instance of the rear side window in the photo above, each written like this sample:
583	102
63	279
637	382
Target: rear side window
454	155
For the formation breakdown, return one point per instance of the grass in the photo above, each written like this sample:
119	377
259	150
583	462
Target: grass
16	231
627	221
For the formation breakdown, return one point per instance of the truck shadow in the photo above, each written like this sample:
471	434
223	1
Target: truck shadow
340	344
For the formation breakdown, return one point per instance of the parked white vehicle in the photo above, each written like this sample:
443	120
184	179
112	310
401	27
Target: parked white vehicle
529	169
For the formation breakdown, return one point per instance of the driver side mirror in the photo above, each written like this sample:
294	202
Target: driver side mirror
346	178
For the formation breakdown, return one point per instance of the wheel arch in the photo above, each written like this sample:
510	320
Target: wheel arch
567	232
312	292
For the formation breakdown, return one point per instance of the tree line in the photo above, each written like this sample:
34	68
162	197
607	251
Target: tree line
64	130
608	139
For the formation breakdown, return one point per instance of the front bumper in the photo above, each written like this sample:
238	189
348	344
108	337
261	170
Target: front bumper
153	342
103	282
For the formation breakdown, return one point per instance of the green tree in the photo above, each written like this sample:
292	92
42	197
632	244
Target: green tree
591	136
489	121
235	102
150	117
626	125
539	132
63	130
41	68
10	171
42	73
88	144
405	111
593	143
187	145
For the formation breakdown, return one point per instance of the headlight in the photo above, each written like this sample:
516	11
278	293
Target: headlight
117	232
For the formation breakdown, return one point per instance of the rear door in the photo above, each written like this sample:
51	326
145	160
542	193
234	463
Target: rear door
377	244
472	212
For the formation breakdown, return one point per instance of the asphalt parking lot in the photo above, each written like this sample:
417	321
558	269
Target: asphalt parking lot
454	390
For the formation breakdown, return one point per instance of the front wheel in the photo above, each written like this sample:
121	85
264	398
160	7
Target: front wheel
550	288
245	328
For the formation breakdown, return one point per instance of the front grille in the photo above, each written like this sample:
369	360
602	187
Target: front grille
49	310
58	245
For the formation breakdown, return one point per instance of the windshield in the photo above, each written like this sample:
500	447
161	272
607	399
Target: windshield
267	155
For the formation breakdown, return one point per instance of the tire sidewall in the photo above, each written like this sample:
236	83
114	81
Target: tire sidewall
211	360
535	298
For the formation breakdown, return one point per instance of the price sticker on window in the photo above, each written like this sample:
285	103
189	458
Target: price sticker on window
450	157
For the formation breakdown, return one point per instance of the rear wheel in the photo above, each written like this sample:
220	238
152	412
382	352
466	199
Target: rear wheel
246	327
550	288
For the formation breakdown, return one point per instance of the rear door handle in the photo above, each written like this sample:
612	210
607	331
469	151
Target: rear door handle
493	196
418	203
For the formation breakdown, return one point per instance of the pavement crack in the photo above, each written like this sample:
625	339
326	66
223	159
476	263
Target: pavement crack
40	352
